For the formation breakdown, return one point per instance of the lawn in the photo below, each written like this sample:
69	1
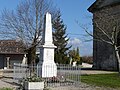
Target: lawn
6	89
107	80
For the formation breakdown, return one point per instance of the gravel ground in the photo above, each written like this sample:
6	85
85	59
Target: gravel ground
9	83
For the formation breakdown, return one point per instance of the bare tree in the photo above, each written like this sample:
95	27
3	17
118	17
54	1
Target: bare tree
26	24
107	30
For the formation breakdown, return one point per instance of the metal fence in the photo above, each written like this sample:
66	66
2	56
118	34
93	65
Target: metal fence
20	71
66	74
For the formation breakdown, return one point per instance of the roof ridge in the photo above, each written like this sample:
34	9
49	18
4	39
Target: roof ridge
8	40
100	3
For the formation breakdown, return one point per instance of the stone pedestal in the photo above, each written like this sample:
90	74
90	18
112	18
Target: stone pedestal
48	68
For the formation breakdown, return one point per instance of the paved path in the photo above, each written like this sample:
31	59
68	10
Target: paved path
96	72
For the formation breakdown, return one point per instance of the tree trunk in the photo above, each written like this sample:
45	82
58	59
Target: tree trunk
31	59
31	56
117	57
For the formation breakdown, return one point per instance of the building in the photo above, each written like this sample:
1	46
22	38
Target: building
105	12
11	51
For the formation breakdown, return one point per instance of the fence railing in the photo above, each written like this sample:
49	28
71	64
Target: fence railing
20	71
66	74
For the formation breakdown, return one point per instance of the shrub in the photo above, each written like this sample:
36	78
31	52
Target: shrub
34	78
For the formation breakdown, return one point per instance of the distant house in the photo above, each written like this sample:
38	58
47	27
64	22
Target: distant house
11	52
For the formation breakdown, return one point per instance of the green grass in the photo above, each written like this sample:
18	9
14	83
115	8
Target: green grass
106	80
6	89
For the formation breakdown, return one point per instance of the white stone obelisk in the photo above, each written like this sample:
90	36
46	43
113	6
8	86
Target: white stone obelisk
49	68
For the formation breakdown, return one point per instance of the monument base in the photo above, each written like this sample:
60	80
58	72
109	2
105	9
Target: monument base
48	70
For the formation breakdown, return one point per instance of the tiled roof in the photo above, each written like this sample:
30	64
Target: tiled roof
11	47
102	3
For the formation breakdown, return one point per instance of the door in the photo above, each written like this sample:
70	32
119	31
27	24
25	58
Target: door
1	62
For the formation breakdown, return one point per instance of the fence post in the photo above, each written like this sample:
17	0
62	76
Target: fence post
14	71
37	70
